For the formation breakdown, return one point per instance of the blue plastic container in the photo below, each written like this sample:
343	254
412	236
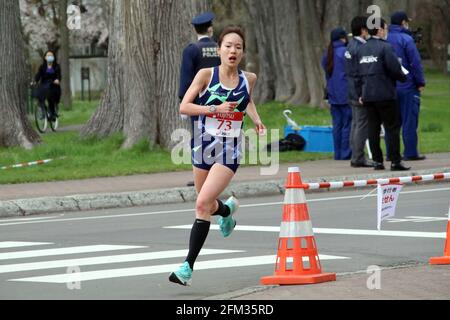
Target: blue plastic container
318	139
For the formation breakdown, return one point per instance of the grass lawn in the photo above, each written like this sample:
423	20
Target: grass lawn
100	158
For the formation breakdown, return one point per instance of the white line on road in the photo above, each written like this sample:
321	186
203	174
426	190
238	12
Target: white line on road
148	270
106	260
114	216
353	232
34	219
417	219
16	244
61	251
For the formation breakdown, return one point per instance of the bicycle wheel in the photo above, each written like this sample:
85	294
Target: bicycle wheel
40	116
54	124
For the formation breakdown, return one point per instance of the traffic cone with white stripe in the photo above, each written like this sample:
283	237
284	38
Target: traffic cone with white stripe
446	258
297	259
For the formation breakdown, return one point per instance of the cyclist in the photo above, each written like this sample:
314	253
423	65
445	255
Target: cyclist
48	79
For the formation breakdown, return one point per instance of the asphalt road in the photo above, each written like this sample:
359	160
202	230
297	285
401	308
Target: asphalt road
128	253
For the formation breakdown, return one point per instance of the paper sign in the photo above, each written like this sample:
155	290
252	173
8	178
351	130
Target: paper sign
405	71
387	201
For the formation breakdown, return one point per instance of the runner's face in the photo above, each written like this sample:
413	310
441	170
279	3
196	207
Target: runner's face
232	50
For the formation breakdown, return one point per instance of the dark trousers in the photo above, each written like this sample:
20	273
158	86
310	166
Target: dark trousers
386	113
51	105
342	121
409	102
51	93
359	134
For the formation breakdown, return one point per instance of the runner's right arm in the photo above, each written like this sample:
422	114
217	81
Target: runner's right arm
201	81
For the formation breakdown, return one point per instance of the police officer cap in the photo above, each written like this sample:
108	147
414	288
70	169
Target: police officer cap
337	34
398	17
204	18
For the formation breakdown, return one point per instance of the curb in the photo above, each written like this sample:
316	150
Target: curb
26	207
235	295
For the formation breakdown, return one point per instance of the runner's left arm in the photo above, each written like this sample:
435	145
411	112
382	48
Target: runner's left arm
251	108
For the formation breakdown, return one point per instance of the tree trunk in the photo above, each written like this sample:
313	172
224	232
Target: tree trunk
108	118
435	35
15	129
289	51
66	97
141	118
147	39
259	13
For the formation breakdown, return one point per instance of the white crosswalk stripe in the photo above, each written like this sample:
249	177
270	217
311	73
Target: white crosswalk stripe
16	244
62	251
104	260
45	275
139	271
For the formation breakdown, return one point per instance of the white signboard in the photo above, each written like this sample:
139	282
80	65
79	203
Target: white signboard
387	201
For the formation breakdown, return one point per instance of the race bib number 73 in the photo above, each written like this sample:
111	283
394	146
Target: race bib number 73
224	124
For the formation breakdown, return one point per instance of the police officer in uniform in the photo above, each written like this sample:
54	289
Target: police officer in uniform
359	130
380	68
408	92
199	55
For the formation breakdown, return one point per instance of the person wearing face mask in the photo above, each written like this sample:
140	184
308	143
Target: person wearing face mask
333	62
48	78
379	69
408	92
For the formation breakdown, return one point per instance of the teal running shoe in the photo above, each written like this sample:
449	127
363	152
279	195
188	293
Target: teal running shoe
182	276
227	224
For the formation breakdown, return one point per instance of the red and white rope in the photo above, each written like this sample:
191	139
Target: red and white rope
364	183
27	164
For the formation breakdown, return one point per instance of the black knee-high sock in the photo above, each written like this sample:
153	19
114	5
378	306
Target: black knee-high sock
199	232
223	210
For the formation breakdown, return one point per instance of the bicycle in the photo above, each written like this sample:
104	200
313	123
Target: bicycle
42	116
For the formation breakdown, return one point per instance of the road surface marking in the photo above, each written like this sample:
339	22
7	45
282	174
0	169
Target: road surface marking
16	244
130	215
167	268
354	232
417	219
106	260
61	251
33	219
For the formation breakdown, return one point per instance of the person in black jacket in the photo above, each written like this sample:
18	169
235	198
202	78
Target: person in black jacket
48	79
359	130
380	68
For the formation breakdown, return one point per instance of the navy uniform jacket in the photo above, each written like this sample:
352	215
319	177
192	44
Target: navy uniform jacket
351	68
379	68
406	49
337	87
196	56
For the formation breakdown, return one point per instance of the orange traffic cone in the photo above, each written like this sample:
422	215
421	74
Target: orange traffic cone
446	258
296	241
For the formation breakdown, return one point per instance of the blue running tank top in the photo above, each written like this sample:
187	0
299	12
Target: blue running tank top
221	149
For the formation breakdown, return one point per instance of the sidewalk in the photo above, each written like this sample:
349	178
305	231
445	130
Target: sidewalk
147	189
414	282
